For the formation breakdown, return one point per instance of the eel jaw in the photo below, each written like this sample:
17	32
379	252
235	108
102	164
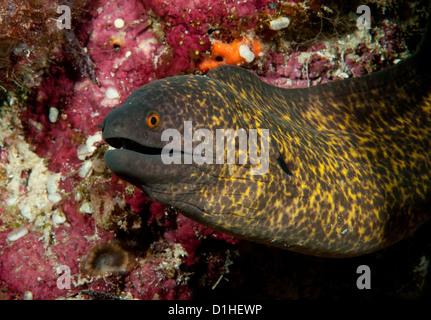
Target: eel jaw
143	166
128	144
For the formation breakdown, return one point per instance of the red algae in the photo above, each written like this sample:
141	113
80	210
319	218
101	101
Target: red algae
188	30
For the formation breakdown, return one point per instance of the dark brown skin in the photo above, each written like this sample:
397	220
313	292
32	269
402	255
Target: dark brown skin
349	161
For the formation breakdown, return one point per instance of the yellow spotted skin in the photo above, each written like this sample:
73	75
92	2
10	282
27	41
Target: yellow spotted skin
360	155
350	161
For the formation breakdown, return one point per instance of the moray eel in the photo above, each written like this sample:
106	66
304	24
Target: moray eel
349	167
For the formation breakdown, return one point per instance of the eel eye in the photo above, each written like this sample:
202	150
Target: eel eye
153	120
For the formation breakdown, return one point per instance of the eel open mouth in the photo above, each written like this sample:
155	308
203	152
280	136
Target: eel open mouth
124	143
144	166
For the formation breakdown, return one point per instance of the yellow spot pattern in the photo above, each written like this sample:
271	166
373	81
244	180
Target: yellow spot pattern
349	161
359	151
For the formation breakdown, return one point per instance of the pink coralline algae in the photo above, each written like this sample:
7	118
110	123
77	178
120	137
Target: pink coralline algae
188	29
53	181
26	265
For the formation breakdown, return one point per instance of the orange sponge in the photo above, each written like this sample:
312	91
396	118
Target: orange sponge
238	52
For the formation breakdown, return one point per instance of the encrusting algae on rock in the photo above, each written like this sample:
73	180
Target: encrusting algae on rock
30	189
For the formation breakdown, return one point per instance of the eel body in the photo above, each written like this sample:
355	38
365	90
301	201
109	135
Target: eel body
349	161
